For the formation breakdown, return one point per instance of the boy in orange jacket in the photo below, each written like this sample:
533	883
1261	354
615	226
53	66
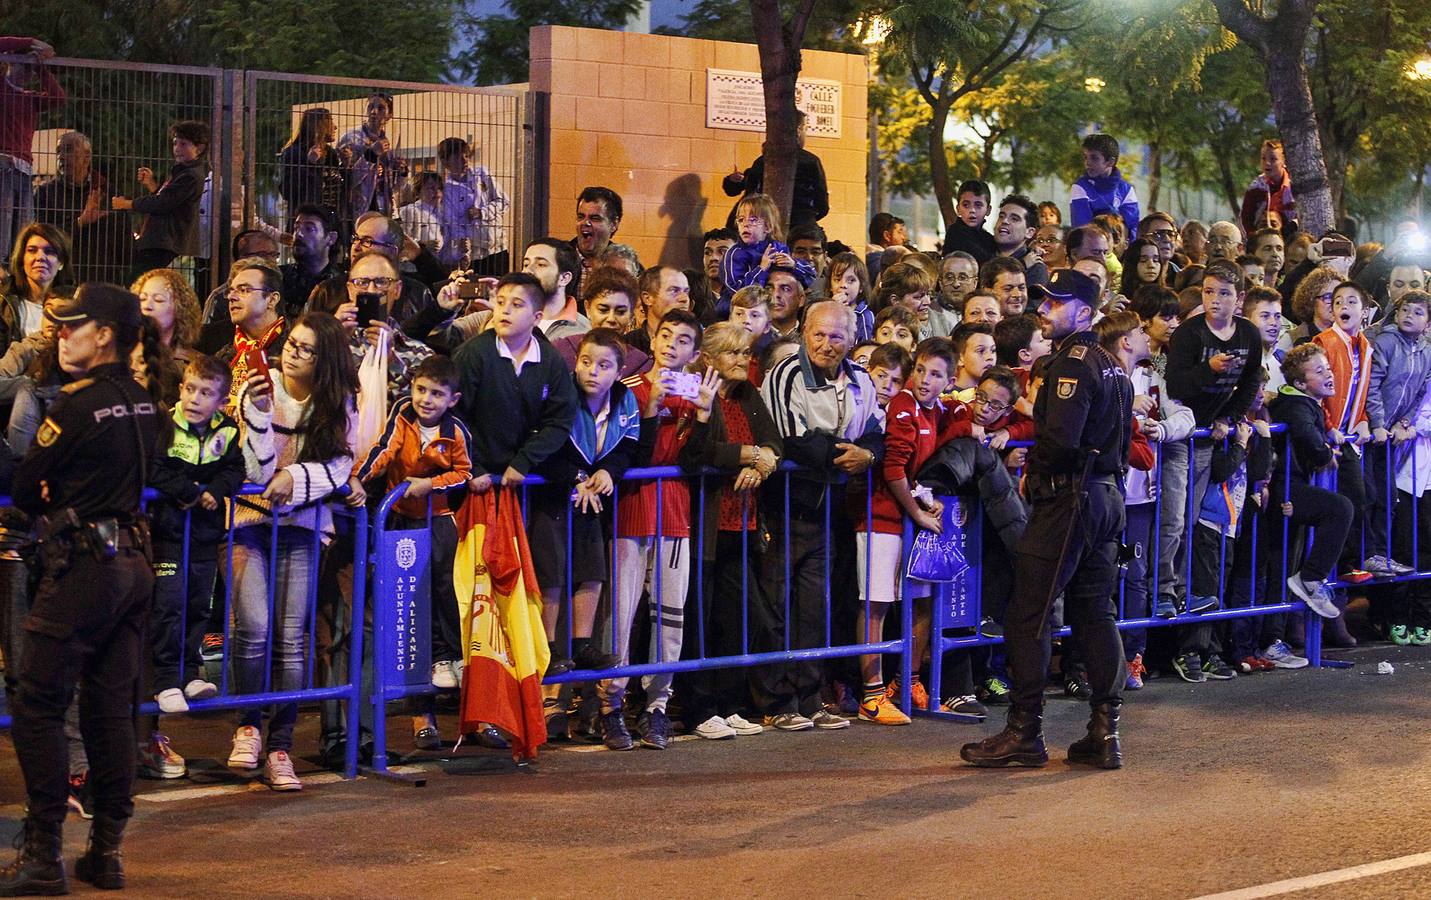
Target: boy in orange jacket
1349	354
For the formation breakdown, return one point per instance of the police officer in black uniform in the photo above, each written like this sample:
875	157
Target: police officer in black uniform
83	479
1082	430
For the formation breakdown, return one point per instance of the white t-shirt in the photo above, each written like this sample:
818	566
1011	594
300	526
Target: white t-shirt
428	434
32	317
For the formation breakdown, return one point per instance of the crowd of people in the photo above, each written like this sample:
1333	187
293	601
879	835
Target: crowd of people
414	355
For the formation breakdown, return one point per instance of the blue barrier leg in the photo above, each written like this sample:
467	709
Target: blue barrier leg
355	661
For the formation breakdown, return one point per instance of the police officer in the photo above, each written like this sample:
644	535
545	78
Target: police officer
1082	429
83	478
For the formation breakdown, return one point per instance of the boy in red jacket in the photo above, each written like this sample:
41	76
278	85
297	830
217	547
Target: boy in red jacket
916	424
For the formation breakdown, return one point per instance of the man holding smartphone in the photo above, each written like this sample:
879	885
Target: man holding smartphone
377	339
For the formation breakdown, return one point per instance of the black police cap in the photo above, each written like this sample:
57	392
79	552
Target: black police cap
99	300
1065	285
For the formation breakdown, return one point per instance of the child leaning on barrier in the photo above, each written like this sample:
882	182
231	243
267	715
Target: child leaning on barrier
916	424
195	470
607	438
1400	367
1409	616
1305	448
425	445
1222	542
666	396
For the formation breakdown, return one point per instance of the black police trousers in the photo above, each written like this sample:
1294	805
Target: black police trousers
86	626
1088	578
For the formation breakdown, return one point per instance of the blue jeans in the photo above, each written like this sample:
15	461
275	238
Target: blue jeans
17	201
292	575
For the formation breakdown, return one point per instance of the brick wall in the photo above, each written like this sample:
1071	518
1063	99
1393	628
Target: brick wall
628	112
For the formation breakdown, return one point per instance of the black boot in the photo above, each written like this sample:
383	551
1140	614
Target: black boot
39	870
102	864
1100	747
1019	744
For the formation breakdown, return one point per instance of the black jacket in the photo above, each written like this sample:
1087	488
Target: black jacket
516	420
976	242
1305	436
171	214
811	201
965	466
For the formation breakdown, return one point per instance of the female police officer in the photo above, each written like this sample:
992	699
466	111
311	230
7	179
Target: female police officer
83	478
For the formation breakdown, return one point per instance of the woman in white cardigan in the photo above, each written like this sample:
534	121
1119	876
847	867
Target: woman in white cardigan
298	426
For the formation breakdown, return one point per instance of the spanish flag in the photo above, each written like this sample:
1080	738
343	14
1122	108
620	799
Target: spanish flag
501	610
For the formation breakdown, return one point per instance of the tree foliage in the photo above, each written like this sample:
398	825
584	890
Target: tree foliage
497	44
408	41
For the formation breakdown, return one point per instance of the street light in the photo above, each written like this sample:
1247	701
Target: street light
876	29
1419	70
1094	85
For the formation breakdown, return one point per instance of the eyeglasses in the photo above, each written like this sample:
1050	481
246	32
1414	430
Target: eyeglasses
300	351
367	243
381	282
958	276
245	289
981	397
1160	236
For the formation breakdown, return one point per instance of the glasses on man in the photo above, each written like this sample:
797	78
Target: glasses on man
244	290
1162	236
375	282
299	350
992	405
367	243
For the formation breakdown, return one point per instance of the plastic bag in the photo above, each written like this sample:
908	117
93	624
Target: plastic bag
372	396
940	557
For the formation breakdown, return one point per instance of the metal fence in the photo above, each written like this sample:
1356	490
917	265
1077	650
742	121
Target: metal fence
113	119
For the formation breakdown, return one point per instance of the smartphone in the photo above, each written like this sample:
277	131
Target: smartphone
1337	247
370	307
257	361
684	384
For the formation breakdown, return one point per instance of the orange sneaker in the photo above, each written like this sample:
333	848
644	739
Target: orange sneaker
882	711
918	696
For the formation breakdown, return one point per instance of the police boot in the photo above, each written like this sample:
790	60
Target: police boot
1019	744
102	864
39	870
1100	746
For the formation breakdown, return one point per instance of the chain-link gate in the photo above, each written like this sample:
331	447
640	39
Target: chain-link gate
353	145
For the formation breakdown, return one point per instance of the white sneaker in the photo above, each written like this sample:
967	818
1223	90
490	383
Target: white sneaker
715	729
157	759
742	726
444	676
247	745
1281	656
171	700
278	772
199	689
1315	595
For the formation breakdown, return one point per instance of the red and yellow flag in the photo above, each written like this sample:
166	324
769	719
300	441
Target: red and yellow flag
500	607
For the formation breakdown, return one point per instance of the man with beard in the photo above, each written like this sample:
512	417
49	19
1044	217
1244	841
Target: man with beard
555	265
1013	231
598	217
1082	418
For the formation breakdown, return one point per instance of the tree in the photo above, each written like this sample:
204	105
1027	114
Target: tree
779	40
953	48
1280	41
498	50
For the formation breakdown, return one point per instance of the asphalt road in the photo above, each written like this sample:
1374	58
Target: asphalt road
1227	786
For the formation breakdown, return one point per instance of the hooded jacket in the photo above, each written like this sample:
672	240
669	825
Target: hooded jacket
1107	194
1400	368
1305	436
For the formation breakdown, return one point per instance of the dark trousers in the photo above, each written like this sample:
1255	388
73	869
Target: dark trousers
794	686
153	258
180	614
1410	603
86	627
730	585
1350	486
1136	586
1330	514
1087	575
1377	496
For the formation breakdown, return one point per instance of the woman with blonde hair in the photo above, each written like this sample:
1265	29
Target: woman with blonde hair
166	297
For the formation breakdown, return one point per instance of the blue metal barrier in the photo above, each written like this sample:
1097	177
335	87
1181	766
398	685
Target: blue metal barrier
791	649
349	692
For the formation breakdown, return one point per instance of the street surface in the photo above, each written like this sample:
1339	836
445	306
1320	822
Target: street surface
1227	786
